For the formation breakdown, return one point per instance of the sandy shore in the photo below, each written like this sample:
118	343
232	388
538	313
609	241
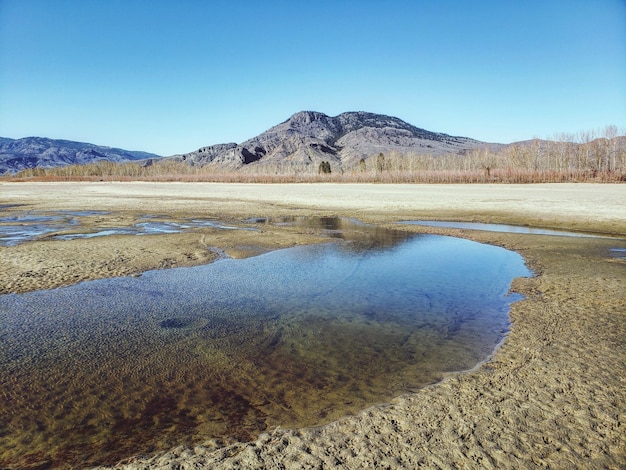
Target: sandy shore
554	395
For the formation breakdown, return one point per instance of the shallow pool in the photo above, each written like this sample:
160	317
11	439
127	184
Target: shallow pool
503	228
21	227
111	368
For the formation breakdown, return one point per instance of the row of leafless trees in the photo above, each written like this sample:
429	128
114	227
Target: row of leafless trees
587	156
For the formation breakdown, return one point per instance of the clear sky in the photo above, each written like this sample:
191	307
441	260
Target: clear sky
171	76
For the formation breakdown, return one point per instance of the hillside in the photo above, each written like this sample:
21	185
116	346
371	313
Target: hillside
32	152
308	138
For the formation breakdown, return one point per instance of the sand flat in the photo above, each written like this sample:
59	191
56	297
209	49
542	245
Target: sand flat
550	204
553	395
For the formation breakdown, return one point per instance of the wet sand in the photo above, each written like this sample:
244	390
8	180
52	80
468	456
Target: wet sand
553	395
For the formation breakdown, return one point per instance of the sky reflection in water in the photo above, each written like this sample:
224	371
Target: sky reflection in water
503	228
20	227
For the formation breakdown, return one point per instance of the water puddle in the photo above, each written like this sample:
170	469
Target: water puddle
618	253
16	228
100	233
500	228
107	369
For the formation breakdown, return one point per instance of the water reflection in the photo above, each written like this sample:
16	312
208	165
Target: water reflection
618	253
16	228
107	369
360	234
499	228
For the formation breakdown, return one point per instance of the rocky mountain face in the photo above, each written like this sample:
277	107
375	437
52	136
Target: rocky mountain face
308	138
31	152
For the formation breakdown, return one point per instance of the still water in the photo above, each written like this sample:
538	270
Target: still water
107	369
21	227
499	228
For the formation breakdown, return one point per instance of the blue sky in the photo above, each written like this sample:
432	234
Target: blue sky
172	76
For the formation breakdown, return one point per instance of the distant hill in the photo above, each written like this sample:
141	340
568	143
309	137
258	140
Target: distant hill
31	152
308	138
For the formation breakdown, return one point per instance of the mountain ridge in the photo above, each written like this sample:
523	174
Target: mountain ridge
308	138
43	152
301	143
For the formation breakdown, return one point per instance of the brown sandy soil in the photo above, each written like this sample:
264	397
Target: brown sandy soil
553	395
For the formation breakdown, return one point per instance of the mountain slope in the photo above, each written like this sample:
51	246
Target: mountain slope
308	138
31	152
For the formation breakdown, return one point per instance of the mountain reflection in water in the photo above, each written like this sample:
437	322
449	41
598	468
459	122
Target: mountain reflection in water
106	369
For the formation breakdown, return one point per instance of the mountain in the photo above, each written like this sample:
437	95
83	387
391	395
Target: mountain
300	143
31	152
308	138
